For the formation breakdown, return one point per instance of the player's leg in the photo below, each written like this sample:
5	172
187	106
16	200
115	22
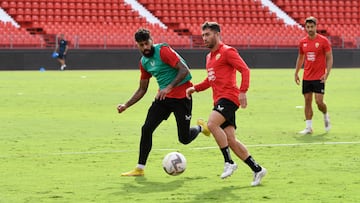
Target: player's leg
308	96
222	110
156	114
214	124
236	146
242	152
61	60
319	99
182	109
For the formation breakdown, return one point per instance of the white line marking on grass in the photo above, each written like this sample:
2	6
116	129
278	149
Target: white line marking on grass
204	148
171	149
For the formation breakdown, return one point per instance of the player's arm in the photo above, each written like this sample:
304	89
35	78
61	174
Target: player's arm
239	64
170	57
66	48
139	93
329	64
198	87
299	62
234	59
182	73
56	47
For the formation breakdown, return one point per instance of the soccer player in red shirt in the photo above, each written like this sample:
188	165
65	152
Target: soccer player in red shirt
222	64
316	55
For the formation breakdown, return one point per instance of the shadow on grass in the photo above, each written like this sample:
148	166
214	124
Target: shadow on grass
312	138
223	194
142	186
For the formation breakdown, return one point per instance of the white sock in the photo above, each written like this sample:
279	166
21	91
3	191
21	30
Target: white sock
200	128
308	123
326	116
140	166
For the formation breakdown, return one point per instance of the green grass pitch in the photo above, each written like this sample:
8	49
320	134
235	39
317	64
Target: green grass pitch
62	140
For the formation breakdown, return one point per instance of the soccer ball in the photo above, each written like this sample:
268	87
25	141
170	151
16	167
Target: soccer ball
174	163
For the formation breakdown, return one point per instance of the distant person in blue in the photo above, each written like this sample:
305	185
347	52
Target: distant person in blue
62	48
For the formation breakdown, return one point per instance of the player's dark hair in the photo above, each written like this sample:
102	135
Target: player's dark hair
211	25
310	19
142	35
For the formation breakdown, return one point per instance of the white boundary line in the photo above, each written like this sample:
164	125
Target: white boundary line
215	147
174	149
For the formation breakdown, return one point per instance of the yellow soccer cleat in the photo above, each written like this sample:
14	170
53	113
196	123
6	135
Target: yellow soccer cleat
135	172
204	127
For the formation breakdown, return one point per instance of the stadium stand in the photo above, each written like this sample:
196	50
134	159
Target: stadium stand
111	23
338	19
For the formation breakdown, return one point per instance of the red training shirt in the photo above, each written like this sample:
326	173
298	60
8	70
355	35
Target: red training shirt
221	66
169	57
315	56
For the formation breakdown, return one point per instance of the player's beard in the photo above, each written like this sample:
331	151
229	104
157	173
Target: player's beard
149	53
311	33
209	44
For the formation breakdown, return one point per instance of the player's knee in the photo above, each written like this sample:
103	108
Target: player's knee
146	129
184	141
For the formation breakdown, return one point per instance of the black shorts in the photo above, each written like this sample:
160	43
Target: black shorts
161	109
227	109
313	86
61	56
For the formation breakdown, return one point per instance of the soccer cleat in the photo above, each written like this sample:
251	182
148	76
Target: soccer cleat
258	176
135	172
306	131
63	67
327	123
204	127
228	170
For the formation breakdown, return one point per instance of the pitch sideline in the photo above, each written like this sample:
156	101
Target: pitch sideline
204	148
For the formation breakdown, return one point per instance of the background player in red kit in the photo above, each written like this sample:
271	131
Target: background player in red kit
315	51
221	64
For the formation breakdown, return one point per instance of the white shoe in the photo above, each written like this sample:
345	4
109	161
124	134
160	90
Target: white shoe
228	170
258	176
63	67
306	131
327	123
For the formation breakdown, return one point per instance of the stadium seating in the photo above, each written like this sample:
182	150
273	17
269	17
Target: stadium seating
336	18
12	37
245	23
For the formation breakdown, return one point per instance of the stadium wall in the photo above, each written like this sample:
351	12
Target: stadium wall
14	59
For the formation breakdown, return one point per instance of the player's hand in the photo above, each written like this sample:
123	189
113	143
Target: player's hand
297	79
121	108
161	95
189	91
323	78
242	100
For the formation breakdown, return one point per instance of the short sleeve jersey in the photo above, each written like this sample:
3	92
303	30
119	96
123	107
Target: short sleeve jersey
221	66
162	66
314	51
62	46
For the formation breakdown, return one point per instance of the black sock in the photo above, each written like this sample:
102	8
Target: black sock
226	153
252	164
